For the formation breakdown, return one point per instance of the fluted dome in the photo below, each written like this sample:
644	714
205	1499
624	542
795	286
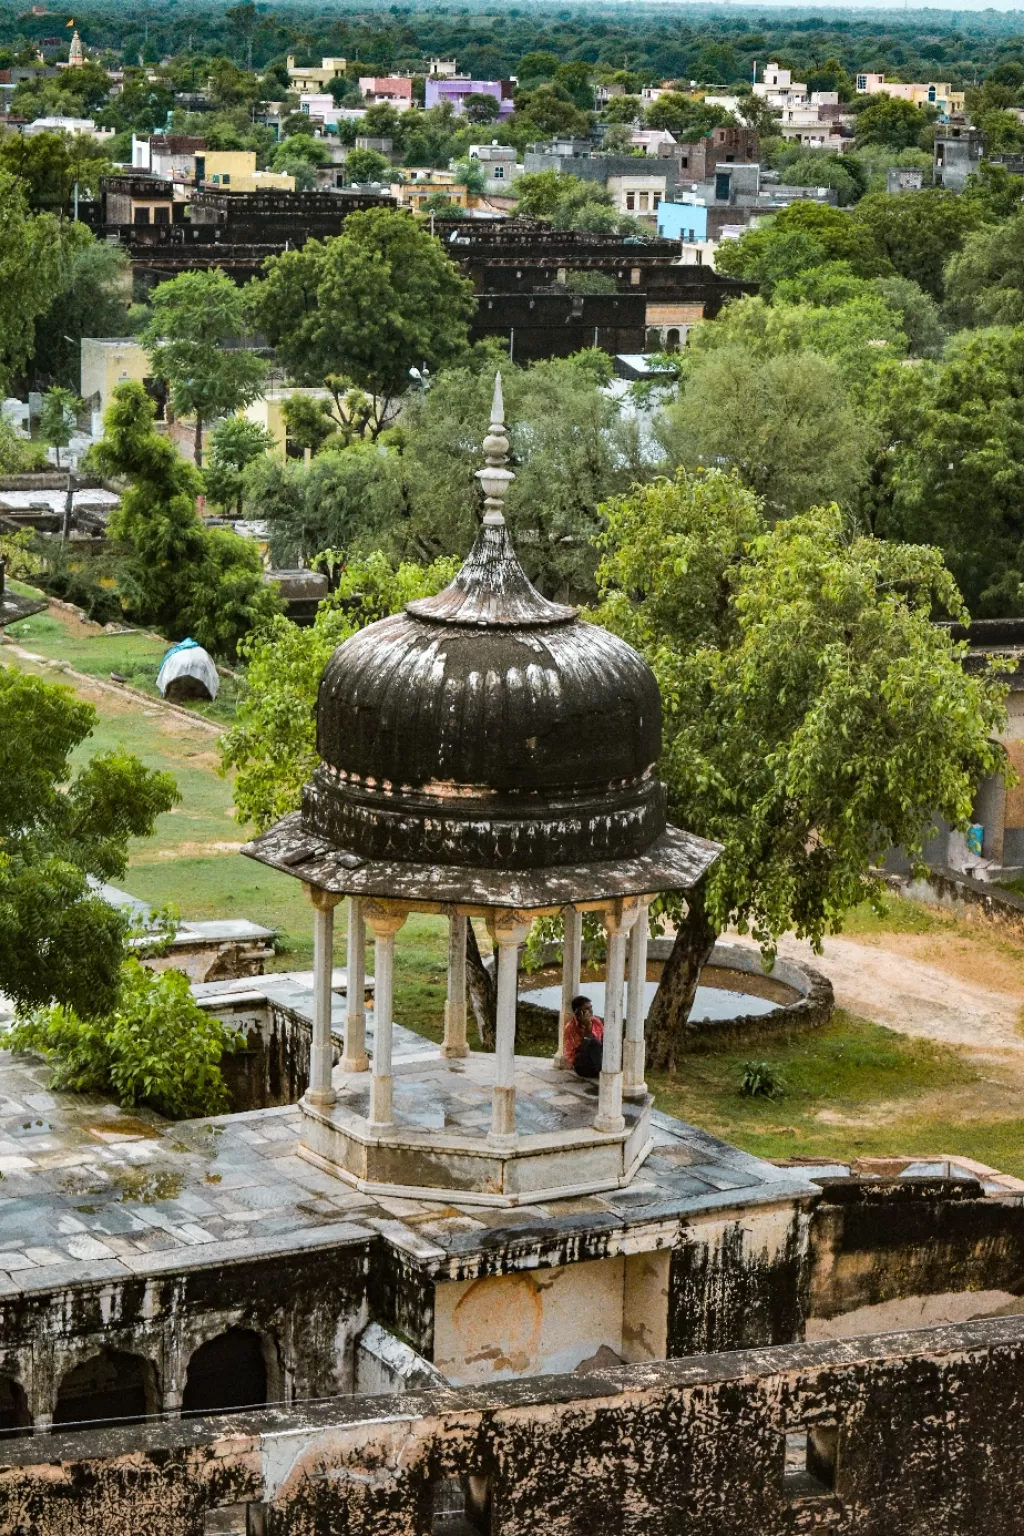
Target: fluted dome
487	726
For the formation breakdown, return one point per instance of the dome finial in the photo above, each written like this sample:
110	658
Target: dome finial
495	478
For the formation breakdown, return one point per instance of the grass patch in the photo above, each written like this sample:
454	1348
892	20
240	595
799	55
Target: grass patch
57	636
879	1086
896	916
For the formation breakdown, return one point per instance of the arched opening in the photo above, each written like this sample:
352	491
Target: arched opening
226	1373
14	1414
672	340
112	1385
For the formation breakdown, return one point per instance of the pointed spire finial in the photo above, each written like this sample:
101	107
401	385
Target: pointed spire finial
495	478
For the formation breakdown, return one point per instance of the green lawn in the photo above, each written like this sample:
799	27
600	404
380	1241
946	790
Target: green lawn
135	657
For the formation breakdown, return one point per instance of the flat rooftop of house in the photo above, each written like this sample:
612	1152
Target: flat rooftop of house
91	1192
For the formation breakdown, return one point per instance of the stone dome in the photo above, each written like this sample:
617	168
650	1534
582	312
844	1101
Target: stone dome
487	726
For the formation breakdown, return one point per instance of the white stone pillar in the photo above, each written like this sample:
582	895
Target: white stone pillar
572	960
455	1043
508	932
384	923
633	1085
321	1051
355	1058
618	920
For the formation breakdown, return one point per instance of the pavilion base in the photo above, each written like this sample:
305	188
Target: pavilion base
438	1148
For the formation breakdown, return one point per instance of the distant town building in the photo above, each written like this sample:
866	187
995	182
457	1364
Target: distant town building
499	165
778	88
903	178
307	77
637	183
930	94
442	69
389	90
956	154
72	125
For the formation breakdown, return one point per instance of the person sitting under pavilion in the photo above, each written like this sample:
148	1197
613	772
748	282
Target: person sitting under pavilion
584	1034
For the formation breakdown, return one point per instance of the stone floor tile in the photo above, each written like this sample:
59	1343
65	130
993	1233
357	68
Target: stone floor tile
86	1247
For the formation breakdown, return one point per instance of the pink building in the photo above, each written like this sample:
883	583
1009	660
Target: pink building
394	90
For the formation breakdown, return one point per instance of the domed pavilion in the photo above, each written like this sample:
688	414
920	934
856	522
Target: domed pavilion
486	754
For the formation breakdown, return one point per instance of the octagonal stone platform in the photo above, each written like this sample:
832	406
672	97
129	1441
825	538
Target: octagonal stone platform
438	1142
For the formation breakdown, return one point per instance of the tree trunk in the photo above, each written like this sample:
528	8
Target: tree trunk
483	991
69	502
666	1022
199	442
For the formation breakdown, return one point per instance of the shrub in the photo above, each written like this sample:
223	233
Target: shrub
157	1048
760	1080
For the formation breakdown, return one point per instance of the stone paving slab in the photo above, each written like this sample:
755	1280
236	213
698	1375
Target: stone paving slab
94	1193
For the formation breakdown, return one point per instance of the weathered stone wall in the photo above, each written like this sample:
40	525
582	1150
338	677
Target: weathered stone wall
307	1304
898	1252
738	1281
918	1434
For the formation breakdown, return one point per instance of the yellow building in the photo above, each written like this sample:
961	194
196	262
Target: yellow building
236	170
107	362
413	194
308	78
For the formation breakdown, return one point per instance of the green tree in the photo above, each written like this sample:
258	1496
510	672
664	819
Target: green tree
482	108
814	713
272	745
30	266
380	299
571	446
623	111
234	443
782	418
172	572
367	165
156	1046
916	234
893	123
93	289
985	280
59	417
194	319
50	164
349	499
308	421
919	315
953	475
684	116
59	941
803	235
550	110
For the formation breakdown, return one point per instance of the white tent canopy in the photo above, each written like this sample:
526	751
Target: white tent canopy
188	661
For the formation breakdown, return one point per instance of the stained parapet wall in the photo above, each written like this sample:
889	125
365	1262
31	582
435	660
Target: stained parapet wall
901	1433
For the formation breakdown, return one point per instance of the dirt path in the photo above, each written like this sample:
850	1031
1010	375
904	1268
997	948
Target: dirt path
888	979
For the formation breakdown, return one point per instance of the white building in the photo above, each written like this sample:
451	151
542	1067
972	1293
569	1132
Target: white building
71	125
652	140
499	163
779	90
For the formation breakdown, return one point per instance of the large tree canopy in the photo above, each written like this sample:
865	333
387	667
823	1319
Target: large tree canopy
380	299
953	473
814	713
173	572
59	942
194	316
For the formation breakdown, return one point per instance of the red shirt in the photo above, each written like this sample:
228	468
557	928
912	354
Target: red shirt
574	1036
